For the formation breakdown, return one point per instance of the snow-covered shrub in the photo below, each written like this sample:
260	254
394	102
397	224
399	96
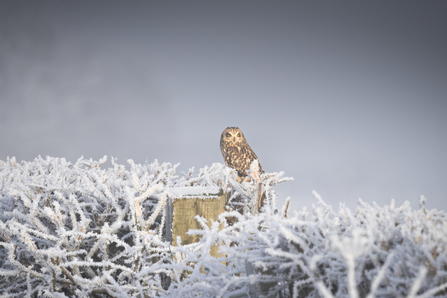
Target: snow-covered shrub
78	230
376	252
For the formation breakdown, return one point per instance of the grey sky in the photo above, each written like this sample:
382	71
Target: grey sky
349	98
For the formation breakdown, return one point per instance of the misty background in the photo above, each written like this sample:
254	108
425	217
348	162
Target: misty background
348	98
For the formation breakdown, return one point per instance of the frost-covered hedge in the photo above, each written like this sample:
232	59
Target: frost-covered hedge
80	230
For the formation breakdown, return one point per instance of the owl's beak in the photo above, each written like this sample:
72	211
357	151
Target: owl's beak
234	139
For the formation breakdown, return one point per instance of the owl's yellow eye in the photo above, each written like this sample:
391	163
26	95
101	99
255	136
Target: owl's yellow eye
228	135
238	134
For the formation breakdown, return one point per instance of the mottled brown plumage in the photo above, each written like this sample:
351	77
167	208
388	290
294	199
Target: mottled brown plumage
236	151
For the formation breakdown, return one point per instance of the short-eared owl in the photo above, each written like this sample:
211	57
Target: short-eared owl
236	151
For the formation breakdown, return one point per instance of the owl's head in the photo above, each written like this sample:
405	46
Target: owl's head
232	135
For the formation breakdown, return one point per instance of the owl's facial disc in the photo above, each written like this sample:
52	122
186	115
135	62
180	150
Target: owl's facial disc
230	137
233	136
